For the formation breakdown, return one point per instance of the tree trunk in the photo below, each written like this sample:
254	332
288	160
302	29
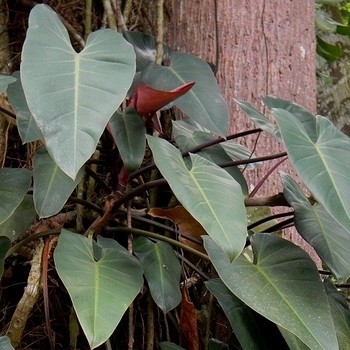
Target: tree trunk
260	48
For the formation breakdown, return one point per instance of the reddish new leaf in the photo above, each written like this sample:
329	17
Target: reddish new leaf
148	101
188	322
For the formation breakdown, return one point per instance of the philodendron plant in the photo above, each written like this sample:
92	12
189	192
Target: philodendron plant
96	112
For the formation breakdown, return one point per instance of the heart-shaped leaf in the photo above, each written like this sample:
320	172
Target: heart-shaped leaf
323	165
52	186
102	280
282	284
330	240
129	132
207	192
162	271
27	127
14	184
73	95
207	109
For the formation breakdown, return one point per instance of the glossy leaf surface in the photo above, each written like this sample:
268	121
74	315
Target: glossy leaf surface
282	284
14	184
162	271
52	186
102	279
27	127
207	192
204	102
324	161
330	240
129	132
73	95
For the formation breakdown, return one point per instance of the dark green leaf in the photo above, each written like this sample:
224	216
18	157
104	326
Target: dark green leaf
246	324
341	314
328	51
20	220
282	284
52	186
207	109
14	184
129	132
162	271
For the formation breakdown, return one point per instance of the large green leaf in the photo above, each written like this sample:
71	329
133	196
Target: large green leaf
215	153
52	186
323	165
204	102
330	240
20	220
341	314
207	192
73	95
27	127
5	245
14	184
282	284
162	271
129	132
102	280
246	323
